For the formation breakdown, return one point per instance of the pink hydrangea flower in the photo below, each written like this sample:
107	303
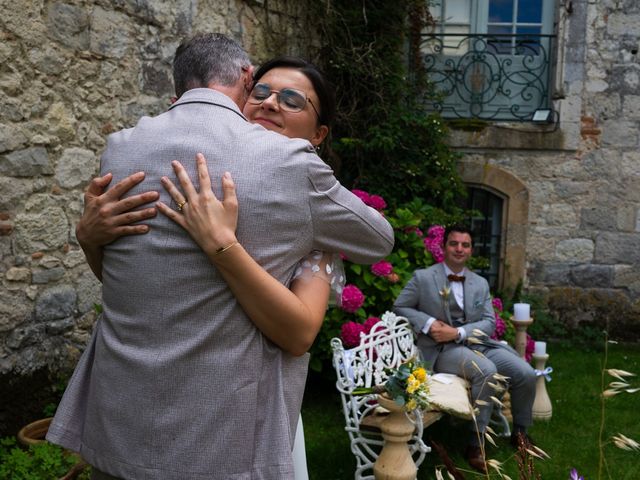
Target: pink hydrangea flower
436	232
377	202
501	327
531	346
369	323
497	304
434	247
352	299
350	333
433	242
362	195
382	268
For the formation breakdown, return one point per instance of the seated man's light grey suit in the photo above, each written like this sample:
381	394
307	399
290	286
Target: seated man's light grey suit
178	383
421	299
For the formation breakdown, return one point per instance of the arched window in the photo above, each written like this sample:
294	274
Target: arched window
487	228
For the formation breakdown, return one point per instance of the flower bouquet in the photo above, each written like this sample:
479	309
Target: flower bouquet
406	386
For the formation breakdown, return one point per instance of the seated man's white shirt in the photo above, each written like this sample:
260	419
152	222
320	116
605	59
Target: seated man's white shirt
457	288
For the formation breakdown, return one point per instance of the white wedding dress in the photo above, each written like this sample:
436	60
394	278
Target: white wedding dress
328	267
300	454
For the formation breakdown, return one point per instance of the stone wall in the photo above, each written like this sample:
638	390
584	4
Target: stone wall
70	73
583	177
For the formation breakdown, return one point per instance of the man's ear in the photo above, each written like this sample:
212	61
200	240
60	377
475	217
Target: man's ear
319	135
248	77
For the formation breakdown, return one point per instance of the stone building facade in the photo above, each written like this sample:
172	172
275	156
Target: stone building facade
571	189
71	72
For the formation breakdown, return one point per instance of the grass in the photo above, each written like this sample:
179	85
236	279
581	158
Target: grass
570	437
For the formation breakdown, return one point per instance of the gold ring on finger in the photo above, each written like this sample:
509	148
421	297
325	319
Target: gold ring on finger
181	204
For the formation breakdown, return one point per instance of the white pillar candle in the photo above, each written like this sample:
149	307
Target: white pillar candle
540	348
521	311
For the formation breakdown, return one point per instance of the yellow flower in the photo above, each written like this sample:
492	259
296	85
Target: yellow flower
411	404
412	384
420	374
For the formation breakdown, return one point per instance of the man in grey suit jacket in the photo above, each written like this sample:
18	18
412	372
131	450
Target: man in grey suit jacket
450	309
178	383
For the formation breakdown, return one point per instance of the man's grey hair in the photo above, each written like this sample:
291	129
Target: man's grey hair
208	58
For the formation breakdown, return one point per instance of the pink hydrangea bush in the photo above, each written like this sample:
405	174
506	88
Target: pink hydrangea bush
371	290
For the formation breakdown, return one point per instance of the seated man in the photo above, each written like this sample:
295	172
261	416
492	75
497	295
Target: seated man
448	306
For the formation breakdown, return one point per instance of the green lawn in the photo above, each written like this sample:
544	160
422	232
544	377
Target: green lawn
570	437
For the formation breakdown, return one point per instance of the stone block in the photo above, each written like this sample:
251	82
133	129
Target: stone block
75	167
569	189
58	327
45	230
612	248
156	78
560	214
89	292
606	105
73	258
24	336
597	218
39	276
61	122
626	218
550	274
592	276
621	23
56	303
18	274
47	60
112	33
11	138
68	25
631	107
26	163
626	276
625	79
630	164
618	133
575	250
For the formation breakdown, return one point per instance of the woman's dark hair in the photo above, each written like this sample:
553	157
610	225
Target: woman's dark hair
323	88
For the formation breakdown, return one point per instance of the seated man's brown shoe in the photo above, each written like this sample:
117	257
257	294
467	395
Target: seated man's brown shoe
476	459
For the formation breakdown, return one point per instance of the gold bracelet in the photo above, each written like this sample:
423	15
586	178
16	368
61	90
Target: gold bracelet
224	249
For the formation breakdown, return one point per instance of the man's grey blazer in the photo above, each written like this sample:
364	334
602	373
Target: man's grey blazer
421	299
179	383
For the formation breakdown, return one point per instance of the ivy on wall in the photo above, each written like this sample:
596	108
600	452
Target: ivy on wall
383	141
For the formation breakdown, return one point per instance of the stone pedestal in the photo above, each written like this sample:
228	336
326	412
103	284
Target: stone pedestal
521	335
395	461
542	408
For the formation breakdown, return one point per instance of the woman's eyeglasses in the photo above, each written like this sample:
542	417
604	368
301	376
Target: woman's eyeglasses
289	99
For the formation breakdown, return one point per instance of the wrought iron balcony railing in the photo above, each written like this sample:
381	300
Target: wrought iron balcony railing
489	77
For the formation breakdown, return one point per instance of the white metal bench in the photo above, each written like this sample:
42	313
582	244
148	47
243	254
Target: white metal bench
390	343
